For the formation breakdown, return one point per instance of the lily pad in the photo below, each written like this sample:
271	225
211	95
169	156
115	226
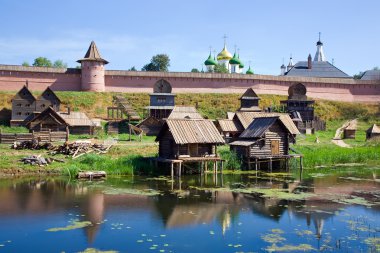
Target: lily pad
74	225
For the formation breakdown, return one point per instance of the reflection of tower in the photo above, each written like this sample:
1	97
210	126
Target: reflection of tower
92	65
318	224
226	221
94	212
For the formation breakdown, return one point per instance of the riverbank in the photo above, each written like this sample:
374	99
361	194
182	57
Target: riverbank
129	158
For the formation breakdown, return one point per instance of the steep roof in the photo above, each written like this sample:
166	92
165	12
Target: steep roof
371	75
184	112
374	129
49	94
187	131
49	112
318	69
24	93
92	54
246	119
250	94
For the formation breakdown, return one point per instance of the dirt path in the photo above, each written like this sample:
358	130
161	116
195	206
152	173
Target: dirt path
337	140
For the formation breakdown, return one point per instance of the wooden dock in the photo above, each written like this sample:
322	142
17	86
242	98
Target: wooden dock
257	160
178	165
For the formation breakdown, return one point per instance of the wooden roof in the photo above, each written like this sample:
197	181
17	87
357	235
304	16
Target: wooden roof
24	93
246	119
49	94
229	125
185	131
258	127
76	119
374	129
242	143
184	112
49	112
92	54
353	125
230	115
250	94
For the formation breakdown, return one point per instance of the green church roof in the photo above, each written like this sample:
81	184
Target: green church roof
235	60
249	71
210	61
241	65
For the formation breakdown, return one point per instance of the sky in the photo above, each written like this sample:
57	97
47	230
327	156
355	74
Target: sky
129	33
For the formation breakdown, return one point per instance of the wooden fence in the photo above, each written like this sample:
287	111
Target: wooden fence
43	136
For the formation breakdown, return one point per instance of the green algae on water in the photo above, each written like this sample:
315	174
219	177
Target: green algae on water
74	225
290	248
93	250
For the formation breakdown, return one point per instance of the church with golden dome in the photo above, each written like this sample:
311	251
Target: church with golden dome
231	62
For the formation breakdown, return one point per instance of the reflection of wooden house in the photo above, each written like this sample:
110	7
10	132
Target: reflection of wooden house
161	100
266	138
49	119
188	138
249	101
373	132
349	132
25	106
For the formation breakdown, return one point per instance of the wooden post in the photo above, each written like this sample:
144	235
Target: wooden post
67	133
49	135
249	163
1	134
221	167
270	164
179	170
256	164
172	170
130	132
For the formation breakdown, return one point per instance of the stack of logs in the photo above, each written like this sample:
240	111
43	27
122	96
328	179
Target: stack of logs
39	160
33	145
78	149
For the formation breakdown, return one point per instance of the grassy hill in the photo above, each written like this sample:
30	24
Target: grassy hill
211	105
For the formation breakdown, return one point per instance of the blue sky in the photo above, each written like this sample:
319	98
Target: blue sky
129	33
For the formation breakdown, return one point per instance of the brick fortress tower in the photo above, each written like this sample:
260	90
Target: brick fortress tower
92	70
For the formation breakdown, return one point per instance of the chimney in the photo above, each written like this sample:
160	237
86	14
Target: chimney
309	62
68	110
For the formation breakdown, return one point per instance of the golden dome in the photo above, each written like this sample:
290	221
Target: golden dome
224	54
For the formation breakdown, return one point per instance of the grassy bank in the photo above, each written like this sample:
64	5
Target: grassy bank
209	104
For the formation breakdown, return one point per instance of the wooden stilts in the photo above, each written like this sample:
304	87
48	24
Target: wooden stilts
172	170
270	164
256	164
249	163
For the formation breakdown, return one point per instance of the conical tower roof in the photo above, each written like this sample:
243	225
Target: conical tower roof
92	54
210	61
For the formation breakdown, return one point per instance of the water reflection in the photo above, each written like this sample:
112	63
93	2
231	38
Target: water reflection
190	204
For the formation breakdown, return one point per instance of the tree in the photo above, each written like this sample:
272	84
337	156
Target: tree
25	64
59	64
132	69
220	68
42	62
195	70
159	62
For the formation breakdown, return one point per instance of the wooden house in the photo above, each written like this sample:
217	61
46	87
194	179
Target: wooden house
150	126
349	132
266	138
188	138
49	119
25	106
373	132
229	128
249	101
162	100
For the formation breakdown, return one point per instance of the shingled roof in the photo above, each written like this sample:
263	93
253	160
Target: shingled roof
184	112
258	127
187	131
246	119
92	54
371	75
318	69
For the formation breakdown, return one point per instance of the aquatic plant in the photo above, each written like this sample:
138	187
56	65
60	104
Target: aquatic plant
290	248
74	224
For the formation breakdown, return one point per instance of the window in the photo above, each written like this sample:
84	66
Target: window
18	105
161	100
27	105
18	113
43	106
27	113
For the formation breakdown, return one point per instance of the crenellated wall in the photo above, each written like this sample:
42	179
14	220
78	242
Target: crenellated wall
12	78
